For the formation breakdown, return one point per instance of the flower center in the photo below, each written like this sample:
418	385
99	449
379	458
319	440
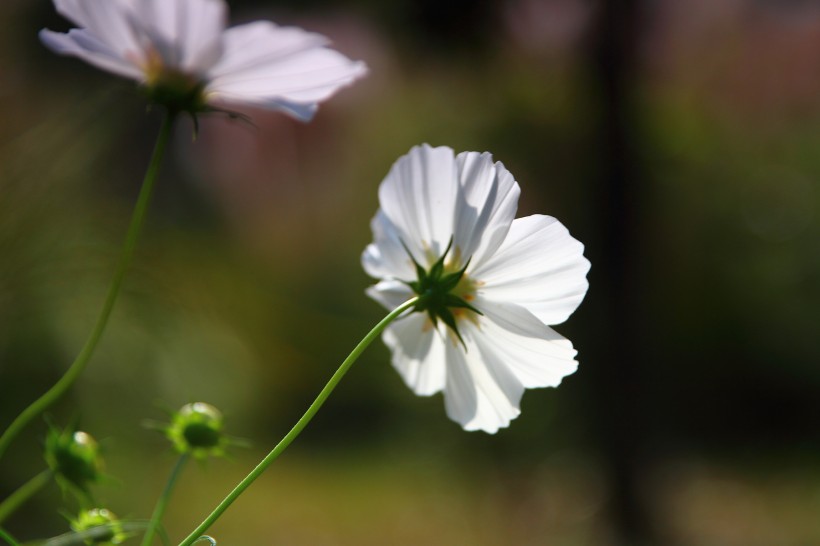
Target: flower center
445	292
176	90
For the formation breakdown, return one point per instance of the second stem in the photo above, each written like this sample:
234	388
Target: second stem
300	424
79	364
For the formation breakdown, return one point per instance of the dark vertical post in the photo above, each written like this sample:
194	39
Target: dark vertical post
619	353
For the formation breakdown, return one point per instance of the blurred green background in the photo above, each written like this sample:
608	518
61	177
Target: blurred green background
680	141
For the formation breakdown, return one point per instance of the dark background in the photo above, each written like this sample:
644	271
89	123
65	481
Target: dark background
680	141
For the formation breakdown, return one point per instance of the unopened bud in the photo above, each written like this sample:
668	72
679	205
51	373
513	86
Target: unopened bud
197	429
99	526
74	458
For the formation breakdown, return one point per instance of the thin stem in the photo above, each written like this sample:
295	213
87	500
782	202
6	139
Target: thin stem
26	491
8	538
300	424
162	502
79	364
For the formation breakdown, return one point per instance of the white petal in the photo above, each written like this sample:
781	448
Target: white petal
390	293
487	207
107	22
418	196
539	266
386	257
256	45
83	12
480	394
460	397
78	43
272	67
418	353
186	33
202	26
532	351
304	77
302	112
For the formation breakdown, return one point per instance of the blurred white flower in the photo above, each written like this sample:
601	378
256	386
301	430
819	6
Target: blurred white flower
187	60
489	284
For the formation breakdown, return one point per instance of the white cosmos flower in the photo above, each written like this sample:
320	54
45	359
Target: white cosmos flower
499	283
182	53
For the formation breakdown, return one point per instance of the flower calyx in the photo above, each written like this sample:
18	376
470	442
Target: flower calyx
442	290
176	90
178	93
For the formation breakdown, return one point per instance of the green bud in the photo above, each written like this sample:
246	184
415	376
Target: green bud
196	429
74	458
99	526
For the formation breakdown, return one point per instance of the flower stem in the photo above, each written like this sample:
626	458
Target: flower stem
300	424
8	538
77	367
16	499
162	502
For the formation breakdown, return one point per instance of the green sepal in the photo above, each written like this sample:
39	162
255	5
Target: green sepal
420	272
438	267
450	281
450	320
433	288
455	301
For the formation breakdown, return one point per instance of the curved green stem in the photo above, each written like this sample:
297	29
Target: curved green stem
77	367
8	538
300	424
162	502
26	491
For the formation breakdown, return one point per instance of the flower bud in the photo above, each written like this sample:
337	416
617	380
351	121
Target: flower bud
99	526
196	429
74	458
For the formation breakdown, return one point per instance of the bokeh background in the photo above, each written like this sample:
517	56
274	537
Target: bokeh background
680	141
